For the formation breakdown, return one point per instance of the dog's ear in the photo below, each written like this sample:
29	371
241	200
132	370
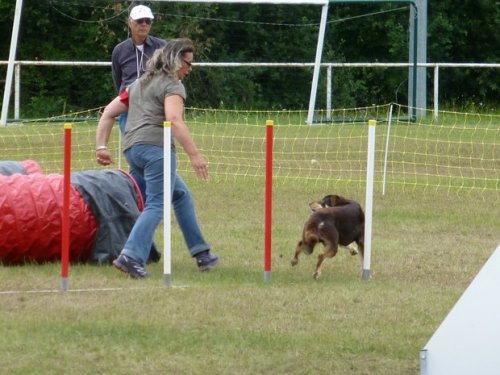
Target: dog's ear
314	206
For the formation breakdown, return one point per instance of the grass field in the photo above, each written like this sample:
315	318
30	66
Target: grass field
428	244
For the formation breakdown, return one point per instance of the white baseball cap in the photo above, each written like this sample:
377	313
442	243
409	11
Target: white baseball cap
141	11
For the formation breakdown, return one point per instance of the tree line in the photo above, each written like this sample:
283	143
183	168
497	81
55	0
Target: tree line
70	30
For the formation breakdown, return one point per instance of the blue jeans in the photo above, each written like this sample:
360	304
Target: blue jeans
122	121
147	162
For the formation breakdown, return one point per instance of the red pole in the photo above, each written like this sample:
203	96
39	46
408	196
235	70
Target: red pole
65	225
268	199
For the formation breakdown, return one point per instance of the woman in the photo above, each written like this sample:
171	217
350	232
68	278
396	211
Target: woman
156	97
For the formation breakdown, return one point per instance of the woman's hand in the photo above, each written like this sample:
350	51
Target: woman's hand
200	166
104	157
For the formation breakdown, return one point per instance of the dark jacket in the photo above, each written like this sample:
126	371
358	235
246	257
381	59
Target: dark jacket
128	62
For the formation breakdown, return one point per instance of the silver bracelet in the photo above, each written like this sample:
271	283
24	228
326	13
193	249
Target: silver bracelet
99	148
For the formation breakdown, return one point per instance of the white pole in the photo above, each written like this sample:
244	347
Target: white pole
167	198
329	92
317	63
17	92
386	156
370	164
10	66
436	91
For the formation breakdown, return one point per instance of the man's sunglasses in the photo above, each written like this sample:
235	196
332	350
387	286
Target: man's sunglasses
147	21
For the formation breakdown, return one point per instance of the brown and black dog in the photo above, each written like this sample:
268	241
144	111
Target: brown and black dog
335	221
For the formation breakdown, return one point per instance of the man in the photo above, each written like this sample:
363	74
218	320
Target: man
129	60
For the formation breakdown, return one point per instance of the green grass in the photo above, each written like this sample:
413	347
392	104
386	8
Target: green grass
230	321
428	244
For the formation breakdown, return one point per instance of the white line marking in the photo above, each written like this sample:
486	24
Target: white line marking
85	290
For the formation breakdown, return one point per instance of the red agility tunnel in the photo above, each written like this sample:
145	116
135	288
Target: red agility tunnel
104	205
30	220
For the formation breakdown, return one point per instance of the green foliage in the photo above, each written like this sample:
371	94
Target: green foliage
464	31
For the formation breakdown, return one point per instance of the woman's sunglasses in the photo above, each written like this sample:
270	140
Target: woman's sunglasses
147	21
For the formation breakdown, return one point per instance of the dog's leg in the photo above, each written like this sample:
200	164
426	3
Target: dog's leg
352	249
298	250
361	247
330	252
307	245
302	246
